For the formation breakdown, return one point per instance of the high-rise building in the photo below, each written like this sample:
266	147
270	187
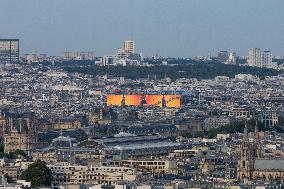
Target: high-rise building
223	56
9	50
254	57
129	46
232	58
266	59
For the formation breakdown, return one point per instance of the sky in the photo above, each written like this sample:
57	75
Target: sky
176	28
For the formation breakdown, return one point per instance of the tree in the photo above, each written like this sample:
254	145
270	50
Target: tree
236	126
11	155
2	154
38	174
9	178
186	134
81	135
199	134
20	152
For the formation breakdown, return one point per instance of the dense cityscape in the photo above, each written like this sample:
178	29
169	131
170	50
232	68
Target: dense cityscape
66	125
141	94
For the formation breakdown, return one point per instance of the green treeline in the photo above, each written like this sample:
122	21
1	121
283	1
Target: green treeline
238	126
197	70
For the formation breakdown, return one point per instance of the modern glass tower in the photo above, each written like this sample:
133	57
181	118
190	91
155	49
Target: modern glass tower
9	50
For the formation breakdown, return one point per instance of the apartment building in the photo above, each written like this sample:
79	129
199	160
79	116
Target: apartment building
66	174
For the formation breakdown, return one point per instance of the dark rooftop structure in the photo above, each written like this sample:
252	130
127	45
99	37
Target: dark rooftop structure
9	50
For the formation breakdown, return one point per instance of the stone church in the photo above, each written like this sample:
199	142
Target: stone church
18	132
252	166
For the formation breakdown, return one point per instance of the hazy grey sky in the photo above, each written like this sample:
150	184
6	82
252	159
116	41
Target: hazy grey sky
166	27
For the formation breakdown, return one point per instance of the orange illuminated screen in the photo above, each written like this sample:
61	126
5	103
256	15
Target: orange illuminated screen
114	100
171	101
132	100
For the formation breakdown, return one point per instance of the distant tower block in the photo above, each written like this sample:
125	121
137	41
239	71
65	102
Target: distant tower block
9	50
254	57
129	46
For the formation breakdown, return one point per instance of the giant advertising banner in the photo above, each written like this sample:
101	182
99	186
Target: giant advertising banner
170	101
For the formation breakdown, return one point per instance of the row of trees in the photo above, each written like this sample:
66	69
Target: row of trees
236	126
197	70
11	155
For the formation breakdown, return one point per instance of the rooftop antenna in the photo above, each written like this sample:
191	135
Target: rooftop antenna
61	133
246	128
20	125
101	100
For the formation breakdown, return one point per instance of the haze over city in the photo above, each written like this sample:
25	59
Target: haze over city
141	94
166	27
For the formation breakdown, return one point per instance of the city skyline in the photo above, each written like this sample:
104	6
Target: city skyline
156	94
177	29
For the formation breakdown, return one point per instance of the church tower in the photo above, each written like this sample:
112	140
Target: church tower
245	163
256	143
101	116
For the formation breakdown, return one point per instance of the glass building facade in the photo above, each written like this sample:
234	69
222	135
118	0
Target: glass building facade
9	50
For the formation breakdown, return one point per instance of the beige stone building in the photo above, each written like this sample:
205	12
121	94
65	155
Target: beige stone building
20	134
19	141
160	166
67	124
66	174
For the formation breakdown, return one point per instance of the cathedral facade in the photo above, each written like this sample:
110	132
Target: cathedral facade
252	166
18	133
